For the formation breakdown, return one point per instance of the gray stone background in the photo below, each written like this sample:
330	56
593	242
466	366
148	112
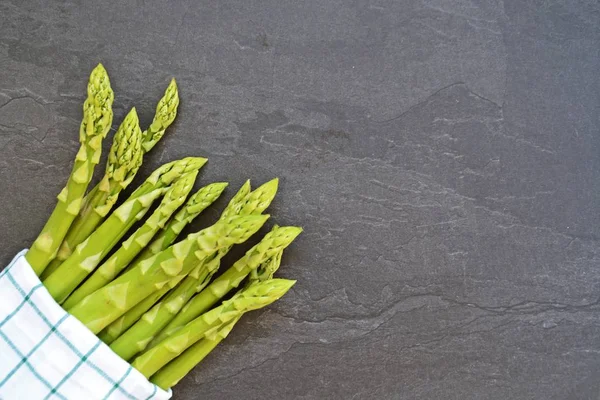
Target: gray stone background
442	156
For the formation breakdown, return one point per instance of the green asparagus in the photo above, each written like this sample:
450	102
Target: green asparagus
237	201
104	306
252	297
194	206
123	163
257	257
260	198
172	373
142	332
267	269
137	337
89	253
131	247
212	262
243	203
124	160
166	111
120	325
169	375
97	119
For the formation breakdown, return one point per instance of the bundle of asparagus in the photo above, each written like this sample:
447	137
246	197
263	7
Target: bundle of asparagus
154	299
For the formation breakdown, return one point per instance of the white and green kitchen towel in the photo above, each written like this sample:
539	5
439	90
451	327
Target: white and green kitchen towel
47	354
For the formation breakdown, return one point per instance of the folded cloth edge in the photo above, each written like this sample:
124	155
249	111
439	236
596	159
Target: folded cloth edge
130	385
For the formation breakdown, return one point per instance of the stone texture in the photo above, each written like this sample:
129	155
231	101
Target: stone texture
442	156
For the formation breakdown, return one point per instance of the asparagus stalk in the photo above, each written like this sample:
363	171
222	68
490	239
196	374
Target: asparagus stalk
194	206
259	257
142	332
97	118
104	306
89	253
234	206
136	338
172	373
166	111
124	160
252	297
130	248
123	163
168	173
169	375
253	203
120	325
243	203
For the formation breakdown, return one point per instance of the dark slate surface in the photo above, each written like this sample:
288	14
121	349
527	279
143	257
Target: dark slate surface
443	157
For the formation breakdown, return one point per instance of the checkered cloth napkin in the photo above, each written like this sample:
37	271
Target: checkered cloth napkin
47	354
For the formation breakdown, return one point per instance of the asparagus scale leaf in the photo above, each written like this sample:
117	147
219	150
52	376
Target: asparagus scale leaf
102	307
252	297
97	119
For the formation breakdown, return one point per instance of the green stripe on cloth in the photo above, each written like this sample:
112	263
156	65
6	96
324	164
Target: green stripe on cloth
72	371
28	364
28	356
27	299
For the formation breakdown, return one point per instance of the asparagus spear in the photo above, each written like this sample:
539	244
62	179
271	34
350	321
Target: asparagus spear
234	207
252	297
97	118
258	200
257	257
124	160
194	206
130	248
120	325
169	375
104	306
237	201
253	203
142	332
89	253
166	111
243	203
172	373
167	173
122	166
